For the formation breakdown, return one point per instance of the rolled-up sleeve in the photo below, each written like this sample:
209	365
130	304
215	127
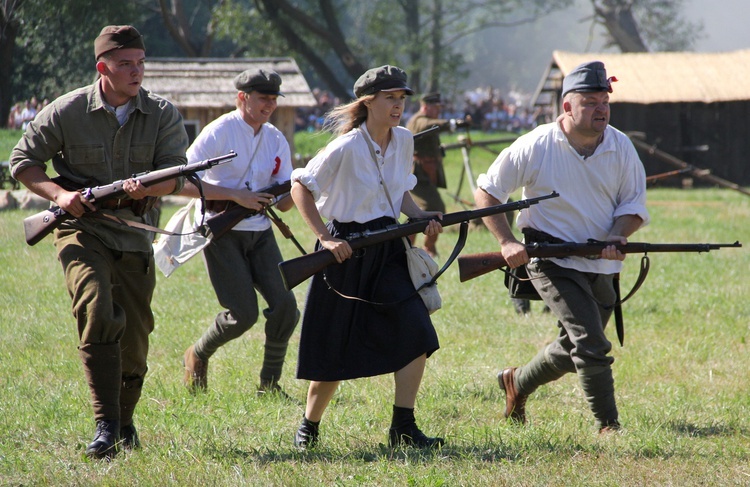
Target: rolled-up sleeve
306	179
632	197
501	179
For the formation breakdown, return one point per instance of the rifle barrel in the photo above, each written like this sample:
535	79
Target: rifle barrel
475	265
41	224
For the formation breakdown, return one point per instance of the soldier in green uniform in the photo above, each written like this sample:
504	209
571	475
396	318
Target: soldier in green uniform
95	135
428	158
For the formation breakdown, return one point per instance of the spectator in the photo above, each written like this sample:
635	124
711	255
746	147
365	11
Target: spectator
15	117
29	112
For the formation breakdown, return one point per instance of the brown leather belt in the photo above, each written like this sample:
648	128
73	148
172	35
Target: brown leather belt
116	204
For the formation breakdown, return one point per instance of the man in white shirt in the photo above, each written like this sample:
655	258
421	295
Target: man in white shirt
245	259
602	186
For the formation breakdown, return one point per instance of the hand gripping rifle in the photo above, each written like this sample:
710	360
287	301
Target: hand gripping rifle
297	270
226	220
41	224
475	265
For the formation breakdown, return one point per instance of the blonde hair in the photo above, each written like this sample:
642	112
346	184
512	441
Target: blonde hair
346	117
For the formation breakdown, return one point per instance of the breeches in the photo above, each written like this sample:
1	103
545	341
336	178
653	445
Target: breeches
111	295
579	301
239	264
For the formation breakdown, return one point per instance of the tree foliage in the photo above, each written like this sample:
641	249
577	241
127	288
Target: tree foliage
46	46
646	25
338	40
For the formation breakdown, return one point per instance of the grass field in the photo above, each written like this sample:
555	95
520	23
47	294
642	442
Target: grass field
682	379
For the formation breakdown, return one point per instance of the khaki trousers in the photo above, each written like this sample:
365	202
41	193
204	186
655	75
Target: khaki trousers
111	295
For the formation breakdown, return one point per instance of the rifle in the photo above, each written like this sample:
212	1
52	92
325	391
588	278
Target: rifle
475	265
296	270
41	224
426	131
226	220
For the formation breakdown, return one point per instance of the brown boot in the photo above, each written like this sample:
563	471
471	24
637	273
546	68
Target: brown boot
196	370
515	403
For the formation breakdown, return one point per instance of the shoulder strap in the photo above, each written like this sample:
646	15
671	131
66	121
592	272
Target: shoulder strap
380	173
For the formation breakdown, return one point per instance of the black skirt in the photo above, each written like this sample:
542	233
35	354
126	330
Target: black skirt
346	339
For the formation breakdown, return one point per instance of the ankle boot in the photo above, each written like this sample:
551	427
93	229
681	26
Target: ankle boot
129	438
404	431
104	445
307	434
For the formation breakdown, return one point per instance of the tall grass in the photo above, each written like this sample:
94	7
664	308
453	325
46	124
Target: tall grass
682	379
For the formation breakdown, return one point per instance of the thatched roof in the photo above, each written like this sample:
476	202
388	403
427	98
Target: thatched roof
207	82
661	77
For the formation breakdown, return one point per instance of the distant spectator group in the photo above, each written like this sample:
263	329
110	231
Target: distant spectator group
311	118
488	109
21	113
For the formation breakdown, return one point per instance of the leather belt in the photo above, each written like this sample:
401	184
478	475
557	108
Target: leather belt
532	235
116	204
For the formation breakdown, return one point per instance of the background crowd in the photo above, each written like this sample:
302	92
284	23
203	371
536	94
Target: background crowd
23	112
487	107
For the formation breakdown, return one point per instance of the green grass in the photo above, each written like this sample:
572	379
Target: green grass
8	139
681	379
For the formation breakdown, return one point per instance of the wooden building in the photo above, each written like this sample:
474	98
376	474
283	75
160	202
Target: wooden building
695	106
202	89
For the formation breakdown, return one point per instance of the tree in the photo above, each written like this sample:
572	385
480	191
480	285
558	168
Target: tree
339	40
633	26
194	34
10	24
55	40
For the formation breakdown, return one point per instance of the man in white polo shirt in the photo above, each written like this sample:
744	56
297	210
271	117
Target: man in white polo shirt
602	186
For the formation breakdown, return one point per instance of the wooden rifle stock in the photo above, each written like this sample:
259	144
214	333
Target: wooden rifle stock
295	271
475	265
41	224
226	220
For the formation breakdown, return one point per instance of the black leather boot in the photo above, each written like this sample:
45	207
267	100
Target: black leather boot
104	445
404	431
129	438
307	434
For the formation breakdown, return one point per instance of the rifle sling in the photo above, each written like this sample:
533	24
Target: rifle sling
130	223
284	228
150	228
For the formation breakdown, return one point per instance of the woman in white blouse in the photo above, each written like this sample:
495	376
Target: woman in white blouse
363	317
